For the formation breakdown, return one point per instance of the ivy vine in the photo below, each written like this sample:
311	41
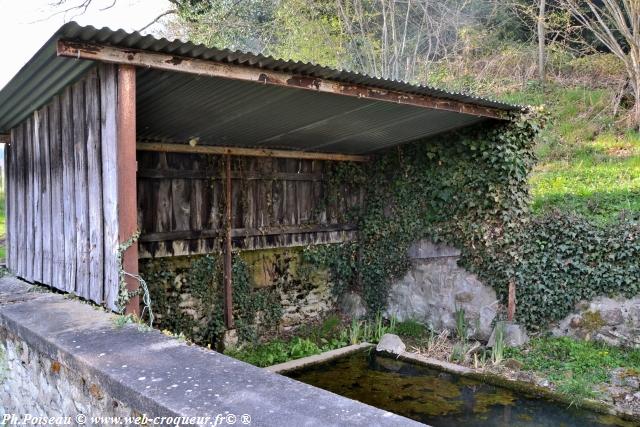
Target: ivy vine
174	281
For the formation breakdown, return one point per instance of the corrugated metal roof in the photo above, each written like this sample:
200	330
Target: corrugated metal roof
176	106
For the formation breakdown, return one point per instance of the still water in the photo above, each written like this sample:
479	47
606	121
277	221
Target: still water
441	399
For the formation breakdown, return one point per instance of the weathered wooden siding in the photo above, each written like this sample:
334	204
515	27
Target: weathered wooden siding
276	203
61	208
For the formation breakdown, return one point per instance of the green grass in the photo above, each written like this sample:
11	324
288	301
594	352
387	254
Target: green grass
277	351
588	163
576	367
330	334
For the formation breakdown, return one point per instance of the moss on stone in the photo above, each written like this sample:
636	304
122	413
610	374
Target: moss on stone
592	321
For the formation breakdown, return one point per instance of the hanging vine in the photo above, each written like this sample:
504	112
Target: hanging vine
124	294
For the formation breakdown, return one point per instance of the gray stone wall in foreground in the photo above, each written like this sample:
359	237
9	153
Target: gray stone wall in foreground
34	384
62	358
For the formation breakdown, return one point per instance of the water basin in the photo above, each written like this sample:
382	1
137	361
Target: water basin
441	399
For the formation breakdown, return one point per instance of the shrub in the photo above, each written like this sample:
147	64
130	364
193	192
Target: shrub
411	328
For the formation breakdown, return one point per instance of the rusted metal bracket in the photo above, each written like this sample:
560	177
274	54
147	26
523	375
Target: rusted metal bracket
167	62
251	152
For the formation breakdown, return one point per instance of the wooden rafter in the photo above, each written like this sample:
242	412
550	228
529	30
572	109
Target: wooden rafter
168	62
250	152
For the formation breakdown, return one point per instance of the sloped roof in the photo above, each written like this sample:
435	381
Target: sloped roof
280	117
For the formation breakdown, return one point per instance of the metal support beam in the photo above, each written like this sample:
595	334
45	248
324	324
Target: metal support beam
127	197
228	261
168	62
251	152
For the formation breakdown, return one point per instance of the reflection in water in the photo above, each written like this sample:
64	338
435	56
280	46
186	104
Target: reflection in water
441	399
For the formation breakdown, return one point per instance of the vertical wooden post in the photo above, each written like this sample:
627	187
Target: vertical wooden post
228	264
127	203
511	303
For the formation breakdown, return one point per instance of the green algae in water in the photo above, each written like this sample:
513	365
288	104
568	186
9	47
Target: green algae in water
439	398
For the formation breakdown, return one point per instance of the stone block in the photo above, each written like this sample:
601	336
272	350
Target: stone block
435	288
424	249
391	343
352	305
515	335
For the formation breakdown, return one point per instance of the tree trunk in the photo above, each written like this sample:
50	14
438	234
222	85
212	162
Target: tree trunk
541	41
635	118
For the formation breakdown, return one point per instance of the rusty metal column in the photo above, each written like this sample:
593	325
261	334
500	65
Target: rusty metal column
228	262
127	169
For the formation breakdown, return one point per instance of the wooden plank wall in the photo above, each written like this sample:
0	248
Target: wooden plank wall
61	206
276	203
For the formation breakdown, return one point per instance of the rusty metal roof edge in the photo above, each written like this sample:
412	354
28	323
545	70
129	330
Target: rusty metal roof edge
18	99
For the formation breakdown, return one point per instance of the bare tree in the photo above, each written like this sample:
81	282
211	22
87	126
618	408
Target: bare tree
542	6
394	39
79	7
615	24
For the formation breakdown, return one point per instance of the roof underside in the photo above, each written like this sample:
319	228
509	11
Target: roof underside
176	107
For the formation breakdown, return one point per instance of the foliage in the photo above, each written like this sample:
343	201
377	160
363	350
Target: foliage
2	225
381	328
410	328
291	29
201	277
474	194
328	335
458	352
248	302
124	294
564	258
497	351
461	324
277	351
467	193
340	260
355	332
575	367
588	163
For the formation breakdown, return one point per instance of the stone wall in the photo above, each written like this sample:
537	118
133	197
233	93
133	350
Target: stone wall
186	293
436	287
37	385
615	321
305	293
60	357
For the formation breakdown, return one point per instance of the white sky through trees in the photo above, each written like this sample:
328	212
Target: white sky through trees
25	25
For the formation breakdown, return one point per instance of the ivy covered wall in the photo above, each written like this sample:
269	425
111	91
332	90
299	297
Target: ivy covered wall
470	189
273	290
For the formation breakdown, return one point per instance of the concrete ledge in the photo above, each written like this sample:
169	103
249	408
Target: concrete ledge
433	363
160	376
317	358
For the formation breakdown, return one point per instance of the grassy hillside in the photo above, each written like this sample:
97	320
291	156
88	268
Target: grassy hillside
587	163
